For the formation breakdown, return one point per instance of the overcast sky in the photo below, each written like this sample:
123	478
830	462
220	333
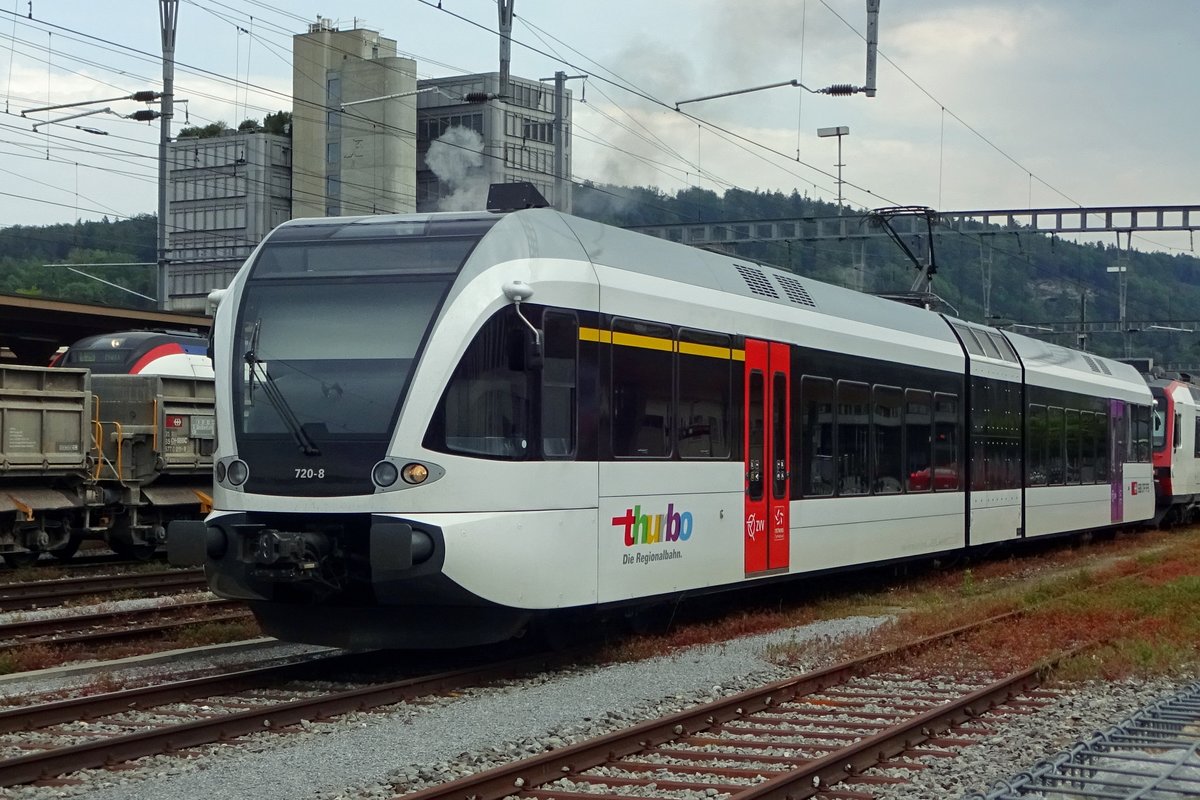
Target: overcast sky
980	105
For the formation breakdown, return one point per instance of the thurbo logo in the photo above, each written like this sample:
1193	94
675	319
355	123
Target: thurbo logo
650	528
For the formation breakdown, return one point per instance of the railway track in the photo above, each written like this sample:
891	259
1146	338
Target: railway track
106	729
833	733
120	626
823	725
830	734
44	593
80	562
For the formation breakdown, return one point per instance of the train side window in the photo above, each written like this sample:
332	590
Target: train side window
946	473
642	377
1087	447
887	439
918	440
1177	434
814	449
1144	448
1141	421
559	369
853	437
484	410
1072	445
1038	437
1139	433
1196	449
1056	471
705	390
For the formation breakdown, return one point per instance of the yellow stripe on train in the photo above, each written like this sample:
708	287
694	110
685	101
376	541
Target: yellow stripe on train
656	343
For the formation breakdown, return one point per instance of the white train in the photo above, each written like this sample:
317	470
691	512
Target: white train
437	429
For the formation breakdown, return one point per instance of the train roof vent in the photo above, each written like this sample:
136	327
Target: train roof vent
756	279
795	291
1104	368
1090	362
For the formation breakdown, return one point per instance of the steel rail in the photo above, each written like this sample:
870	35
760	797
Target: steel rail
107	750
521	779
36	594
71	629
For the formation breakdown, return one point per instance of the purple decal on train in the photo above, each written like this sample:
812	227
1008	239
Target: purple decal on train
1116	460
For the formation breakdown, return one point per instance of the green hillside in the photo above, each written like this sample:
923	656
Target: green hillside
1034	278
26	251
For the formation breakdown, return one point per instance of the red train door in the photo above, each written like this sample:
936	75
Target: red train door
766	433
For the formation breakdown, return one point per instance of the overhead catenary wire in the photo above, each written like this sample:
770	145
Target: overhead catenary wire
715	180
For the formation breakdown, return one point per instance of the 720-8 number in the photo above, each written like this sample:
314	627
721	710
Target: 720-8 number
309	472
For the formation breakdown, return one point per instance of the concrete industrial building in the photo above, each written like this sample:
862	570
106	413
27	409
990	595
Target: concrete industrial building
355	157
224	194
351	157
347	157
513	140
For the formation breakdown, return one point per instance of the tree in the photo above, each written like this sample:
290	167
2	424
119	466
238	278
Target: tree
279	123
206	132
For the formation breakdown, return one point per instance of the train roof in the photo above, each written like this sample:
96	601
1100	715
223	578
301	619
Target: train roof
545	233
1062	363
551	234
131	338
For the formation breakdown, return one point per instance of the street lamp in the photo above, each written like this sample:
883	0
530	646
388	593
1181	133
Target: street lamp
839	132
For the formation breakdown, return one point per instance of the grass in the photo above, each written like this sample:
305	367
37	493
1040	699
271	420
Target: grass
26	658
1137	591
1141	604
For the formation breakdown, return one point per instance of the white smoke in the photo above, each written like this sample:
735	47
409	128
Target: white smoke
456	158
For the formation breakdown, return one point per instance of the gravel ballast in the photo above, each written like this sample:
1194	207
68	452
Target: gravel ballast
410	746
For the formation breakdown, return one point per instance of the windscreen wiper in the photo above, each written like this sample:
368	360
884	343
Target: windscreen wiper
258	372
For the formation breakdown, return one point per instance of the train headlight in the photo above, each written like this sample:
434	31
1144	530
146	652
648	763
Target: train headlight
220	471
414	473
238	472
385	474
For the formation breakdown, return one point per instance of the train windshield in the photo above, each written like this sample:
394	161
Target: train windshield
331	321
329	357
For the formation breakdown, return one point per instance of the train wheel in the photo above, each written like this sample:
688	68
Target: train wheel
68	550
21	559
134	552
121	542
